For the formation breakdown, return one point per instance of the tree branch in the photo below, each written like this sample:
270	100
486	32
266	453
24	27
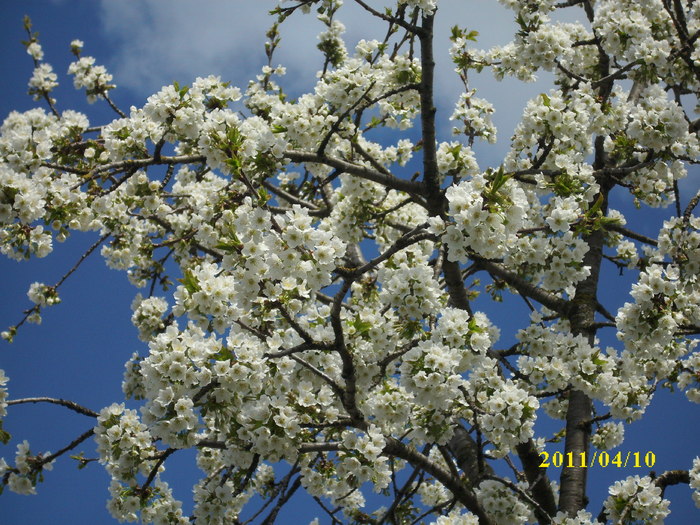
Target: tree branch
545	298
75	407
390	181
465	496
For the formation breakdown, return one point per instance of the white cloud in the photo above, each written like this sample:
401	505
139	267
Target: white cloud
156	43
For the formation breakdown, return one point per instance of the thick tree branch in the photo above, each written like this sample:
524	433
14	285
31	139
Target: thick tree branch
544	297
414	236
390	181
536	476
631	234
431	180
465	496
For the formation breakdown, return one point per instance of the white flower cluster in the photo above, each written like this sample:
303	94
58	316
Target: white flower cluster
432	372
148	316
76	46
556	358
550	43
34	49
638	499
368	76
126	448
457	517
506	413
554	262
689	378
43	295
635	30
487	211
268	255
43	81
331	41
322	482
389	406
466	335
177	367
23	477
541	44
658	123
365	461
156	506
197	117
475	115
94	78
694	475
654	185
124	443
456	159
348	212
567	120
411	289
582	518
665	299
626	251
19	243
565	211
428	6
28	138
680	240
502	504
3	394
29	192
30	195
218	502
528	9
608	436
434	493
648	326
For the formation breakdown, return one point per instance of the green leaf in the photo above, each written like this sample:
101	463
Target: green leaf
362	327
4	435
228	246
190	282
596	207
500	179
223	355
472	35
82	463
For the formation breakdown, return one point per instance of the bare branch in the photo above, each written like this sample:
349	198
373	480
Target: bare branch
398	21
72	405
544	297
455	485
390	181
631	234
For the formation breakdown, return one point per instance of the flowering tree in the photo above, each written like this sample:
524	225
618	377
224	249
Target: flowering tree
314	328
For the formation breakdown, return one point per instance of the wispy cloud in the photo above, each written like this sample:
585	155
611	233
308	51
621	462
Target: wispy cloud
156	43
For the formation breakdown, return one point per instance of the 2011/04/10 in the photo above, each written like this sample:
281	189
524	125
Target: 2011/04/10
603	458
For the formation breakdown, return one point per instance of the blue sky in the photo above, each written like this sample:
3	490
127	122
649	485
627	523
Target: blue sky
78	351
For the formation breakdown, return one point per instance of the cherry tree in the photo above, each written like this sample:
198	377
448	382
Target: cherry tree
308	269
